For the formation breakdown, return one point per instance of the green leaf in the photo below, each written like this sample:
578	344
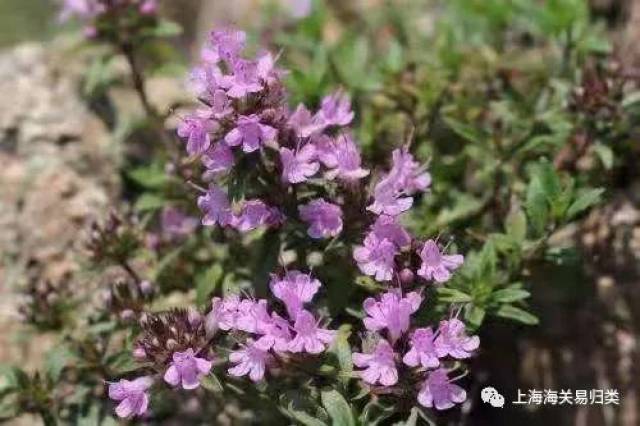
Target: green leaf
537	207
452	295
584	200
148	201
207	283
304	418
465	131
516	225
152	177
57	360
12	378
166	28
211	383
474	315
510	295
338	408
605	153
517	314
342	351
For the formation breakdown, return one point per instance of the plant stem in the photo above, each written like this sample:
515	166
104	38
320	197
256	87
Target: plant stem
138	80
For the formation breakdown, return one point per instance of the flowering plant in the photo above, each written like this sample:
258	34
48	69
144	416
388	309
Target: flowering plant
309	254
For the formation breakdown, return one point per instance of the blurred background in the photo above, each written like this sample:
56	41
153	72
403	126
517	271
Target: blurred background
59	166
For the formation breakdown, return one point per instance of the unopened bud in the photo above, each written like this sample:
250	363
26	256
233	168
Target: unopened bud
407	276
146	288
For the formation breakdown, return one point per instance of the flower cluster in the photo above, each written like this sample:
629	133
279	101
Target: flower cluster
266	165
178	343
271	334
90	12
426	358
245	126
387	239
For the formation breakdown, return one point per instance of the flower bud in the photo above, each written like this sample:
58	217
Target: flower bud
406	276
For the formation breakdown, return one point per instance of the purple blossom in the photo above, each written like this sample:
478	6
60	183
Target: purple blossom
83	9
300	8
275	334
252	315
303	122
176	224
387	227
255	213
228	43
408	173
346	162
216	207
223	314
392	312
389	199
325	219
380	365
294	289
217	160
309	337
335	110
204	80
149	7
376	257
250	360
392	195
423	351
453	341
187	369
250	133
435	265
244	80
132	395
298	166
438	391
195	130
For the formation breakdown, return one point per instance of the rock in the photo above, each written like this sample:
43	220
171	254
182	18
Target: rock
59	169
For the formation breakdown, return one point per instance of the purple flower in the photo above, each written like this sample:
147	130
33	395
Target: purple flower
250	133
228	43
298	166
437	391
294	290
244	80
216	207
176	224
392	195
149	7
408	173
325	219
132	395
275	334
250	360
187	369
309	337
204	80
335	110
217	160
83	9
223	314
389	199
252	315
346	162
436	266
423	350
386	227
195	130
303	122
380	365
392	312
376	257
452	340
254	214
300	8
